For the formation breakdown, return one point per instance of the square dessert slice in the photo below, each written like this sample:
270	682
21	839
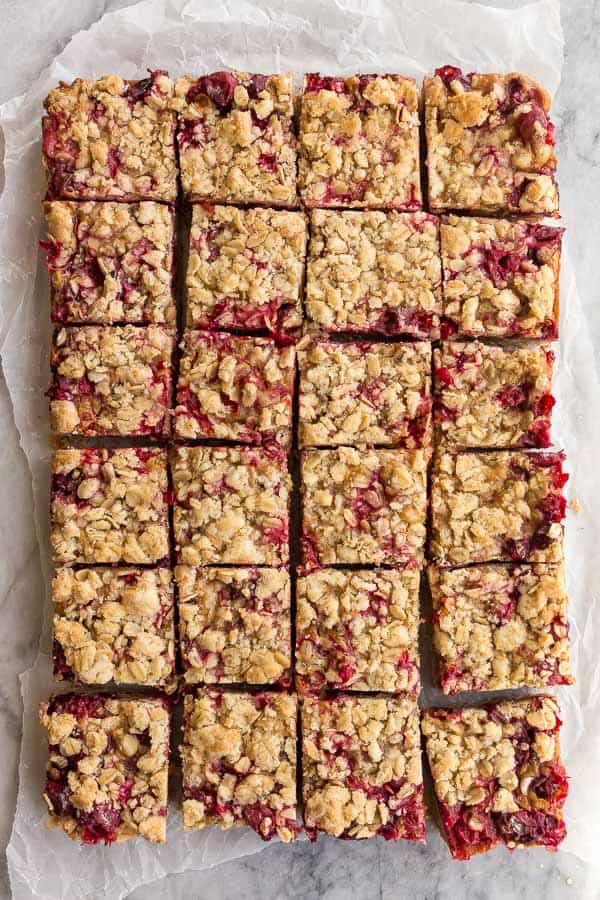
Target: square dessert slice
374	272
109	506
490	144
497	507
234	625
501	278
358	631
361	768
498	775
231	505
113	625
359	142
110	262
236	138
111	139
489	396
497	627
359	393
234	388
245	268
111	380
108	766
239	762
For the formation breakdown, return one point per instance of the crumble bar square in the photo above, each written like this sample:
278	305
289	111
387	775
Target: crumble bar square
113	625
239	762
234	388
489	396
501	278
359	393
490	144
236	138
110	263
358	631
498	775
245	268
361	768
497	506
359	142
231	505
109	506
374	272
234	625
111	139
108	767
111	380
498	627
363	506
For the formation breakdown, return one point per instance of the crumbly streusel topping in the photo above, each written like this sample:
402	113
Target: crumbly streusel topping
239	762
359	142
110	262
358	630
234	625
490	144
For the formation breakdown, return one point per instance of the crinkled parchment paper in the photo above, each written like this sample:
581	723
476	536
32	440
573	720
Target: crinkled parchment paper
345	36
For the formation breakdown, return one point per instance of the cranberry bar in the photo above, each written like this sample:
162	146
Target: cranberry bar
358	393
489	396
498	775
497	627
108	766
363	506
361	768
501	278
113	625
245	268
239	762
359	142
111	139
111	380
234	625
374	272
490	143
109	506
234	388
110	262
497	506
236	138
358	631
231	505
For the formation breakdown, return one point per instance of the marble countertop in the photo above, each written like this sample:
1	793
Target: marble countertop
31	35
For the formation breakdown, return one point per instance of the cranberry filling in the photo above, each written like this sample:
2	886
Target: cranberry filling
62	670
269	162
218	87
310	553
551	784
78	705
447	328
317	82
59	795
137	91
526	122
530	826
262	819
256	86
516	396
113	161
444	376
278	534
463	840
448	74
101	823
193	133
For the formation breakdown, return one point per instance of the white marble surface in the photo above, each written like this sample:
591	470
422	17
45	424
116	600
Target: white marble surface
31	33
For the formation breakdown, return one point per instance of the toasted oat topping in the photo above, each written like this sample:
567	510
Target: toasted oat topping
236	138
374	272
359	142
358	631
239	762
110	262
234	388
488	396
107	772
231	505
363	506
490	144
109	506
109	380
234	625
497	506
361	768
111	139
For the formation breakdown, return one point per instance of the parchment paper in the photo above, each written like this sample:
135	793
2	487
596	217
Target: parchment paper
346	36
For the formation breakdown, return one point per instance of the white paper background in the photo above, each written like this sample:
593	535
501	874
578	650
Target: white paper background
334	37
